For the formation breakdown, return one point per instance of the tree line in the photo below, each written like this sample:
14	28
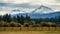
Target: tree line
17	21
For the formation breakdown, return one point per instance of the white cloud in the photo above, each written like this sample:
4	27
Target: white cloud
27	1
16	1
33	2
9	10
26	4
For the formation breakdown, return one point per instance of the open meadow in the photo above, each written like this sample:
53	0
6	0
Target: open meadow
29	32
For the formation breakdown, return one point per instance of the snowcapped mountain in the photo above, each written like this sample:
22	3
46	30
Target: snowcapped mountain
40	12
22	10
43	9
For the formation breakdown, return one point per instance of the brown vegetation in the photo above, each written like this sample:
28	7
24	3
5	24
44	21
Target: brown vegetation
29	28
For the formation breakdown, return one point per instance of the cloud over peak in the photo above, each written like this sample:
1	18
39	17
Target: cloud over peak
8	5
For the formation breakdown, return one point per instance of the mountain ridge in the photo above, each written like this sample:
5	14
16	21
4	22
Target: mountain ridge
40	14
37	15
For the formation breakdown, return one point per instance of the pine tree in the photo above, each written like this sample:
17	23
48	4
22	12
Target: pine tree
14	19
0	18
7	18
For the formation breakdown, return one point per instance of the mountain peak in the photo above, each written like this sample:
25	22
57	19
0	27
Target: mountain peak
43	9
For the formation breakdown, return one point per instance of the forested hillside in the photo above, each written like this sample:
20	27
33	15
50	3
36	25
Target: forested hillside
26	21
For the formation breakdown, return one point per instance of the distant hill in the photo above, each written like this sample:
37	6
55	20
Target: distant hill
41	12
37	15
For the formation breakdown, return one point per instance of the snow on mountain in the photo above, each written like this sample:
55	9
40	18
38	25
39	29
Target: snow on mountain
43	9
38	15
41	12
21	11
32	12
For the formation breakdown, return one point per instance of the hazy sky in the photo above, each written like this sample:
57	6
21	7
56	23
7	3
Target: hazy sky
27	5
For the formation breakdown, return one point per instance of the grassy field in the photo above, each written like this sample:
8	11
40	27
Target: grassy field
29	32
29	28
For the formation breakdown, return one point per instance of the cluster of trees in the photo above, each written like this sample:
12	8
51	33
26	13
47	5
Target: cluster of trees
17	21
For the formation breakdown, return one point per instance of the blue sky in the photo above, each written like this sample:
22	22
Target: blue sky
27	5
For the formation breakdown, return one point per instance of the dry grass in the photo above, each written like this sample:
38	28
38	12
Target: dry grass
29	28
30	32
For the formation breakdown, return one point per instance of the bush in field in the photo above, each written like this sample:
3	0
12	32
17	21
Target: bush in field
43	24
52	24
35	25
26	24
14	24
32	22
4	24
